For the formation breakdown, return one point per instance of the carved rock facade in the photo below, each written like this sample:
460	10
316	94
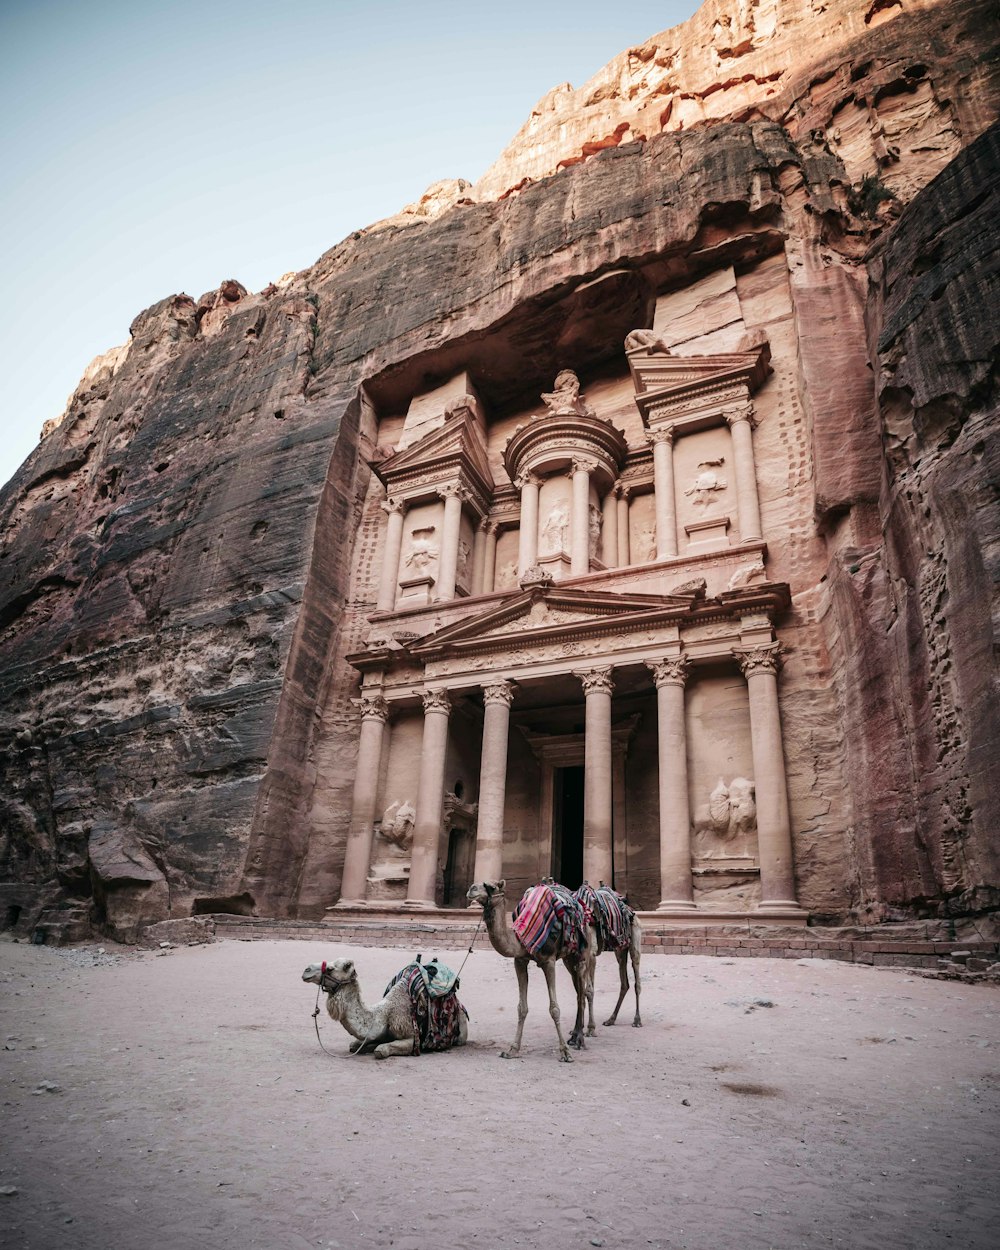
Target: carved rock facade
294	561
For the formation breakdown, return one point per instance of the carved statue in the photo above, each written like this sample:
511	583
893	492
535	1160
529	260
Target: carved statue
730	814
422	551
594	520
746	574
555	530
704	487
464	555
564	399
397	824
648	341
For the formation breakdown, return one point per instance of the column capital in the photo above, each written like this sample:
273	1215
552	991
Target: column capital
622	490
499	691
393	504
583	464
436	701
759	659
373	707
670	671
660	435
742	412
595	680
452	489
527	478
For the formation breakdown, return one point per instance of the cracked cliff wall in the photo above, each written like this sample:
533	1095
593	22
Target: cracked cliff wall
177	556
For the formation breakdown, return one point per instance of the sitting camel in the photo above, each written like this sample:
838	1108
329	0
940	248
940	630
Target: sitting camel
618	931
389	1028
580	964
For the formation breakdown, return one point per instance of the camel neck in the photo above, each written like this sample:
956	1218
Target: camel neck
502	937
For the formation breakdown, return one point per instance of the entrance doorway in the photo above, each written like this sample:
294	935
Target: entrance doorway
567	826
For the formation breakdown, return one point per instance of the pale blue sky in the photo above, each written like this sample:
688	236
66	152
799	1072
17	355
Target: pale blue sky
150	147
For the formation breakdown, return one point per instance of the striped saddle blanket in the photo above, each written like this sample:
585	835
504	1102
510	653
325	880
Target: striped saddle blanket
547	911
436	1015
612	915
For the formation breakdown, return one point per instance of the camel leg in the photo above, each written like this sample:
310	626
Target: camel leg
591	1026
576	971
635	951
402	1046
589	969
521	968
549	968
622	957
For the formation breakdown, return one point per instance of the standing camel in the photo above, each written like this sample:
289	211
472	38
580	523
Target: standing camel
618	931
580	964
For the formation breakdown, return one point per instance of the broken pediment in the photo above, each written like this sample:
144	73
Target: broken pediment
452	452
668	386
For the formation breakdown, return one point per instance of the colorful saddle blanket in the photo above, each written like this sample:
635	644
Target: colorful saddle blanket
434	1005
546	911
612	915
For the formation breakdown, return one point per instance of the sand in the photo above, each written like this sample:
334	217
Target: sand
154	1101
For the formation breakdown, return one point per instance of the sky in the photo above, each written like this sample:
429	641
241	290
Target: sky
149	148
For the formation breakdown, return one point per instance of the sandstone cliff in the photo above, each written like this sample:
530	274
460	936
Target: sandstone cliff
176	555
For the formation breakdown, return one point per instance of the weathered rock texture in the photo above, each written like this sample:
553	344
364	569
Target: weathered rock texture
185	557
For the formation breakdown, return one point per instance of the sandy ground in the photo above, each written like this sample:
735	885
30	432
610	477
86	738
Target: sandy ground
160	1101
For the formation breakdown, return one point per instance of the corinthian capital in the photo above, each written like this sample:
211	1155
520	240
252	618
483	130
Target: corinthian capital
671	671
436	701
527	478
759	659
451	490
499	691
742	412
581	464
391	504
661	435
596	680
373	707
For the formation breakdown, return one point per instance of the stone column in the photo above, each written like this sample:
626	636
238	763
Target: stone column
490	559
663	486
479	556
430	801
609	530
774	834
498	696
527	553
396	509
357	859
598	859
676	890
453	494
740	421
579	556
624	554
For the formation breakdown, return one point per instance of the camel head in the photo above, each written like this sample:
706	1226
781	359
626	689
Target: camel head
486	893
331	975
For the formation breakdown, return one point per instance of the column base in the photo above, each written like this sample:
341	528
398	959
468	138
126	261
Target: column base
343	903
782	905
676	904
419	904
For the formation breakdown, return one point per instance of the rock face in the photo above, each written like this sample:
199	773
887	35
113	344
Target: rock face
189	554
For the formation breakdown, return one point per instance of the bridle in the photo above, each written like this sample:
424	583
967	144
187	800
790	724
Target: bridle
329	986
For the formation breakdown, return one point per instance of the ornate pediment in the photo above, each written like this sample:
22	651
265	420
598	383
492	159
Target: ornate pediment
452	452
542	613
684	386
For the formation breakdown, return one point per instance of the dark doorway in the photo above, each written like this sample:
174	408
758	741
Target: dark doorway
567	827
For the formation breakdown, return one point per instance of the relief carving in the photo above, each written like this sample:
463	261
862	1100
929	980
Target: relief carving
423	552
707	483
555	530
398	820
725	826
594	521
464	556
